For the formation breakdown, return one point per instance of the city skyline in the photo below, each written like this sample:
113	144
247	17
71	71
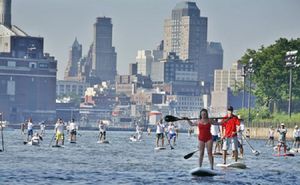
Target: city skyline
138	24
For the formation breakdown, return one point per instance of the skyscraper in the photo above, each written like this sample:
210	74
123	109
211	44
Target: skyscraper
75	55
144	60
186	35
5	13
104	55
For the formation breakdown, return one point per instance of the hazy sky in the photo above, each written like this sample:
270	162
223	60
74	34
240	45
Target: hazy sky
138	24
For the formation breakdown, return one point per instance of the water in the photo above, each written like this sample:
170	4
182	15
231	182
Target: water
125	162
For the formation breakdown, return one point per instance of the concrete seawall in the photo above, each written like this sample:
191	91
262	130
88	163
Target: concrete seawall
263	133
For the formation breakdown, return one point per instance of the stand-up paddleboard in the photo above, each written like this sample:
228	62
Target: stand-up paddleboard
103	142
57	146
33	143
233	165
285	155
201	172
159	148
133	139
294	150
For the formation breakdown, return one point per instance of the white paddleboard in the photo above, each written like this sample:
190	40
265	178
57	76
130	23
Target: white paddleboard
159	148
233	165
203	172
33	143
103	142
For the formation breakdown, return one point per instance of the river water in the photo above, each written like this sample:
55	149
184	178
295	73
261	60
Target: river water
126	162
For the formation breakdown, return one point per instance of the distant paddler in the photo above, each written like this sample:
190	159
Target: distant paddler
73	128
282	138
59	132
36	138
271	133
42	128
172	133
102	130
296	135
138	131
160	128
148	131
29	129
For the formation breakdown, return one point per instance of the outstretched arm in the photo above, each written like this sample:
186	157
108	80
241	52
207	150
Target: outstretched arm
189	121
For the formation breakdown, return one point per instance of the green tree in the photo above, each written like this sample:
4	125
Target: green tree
270	74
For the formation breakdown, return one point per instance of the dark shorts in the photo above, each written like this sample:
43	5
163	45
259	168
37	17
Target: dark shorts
216	138
271	138
172	135
30	132
297	138
73	132
160	135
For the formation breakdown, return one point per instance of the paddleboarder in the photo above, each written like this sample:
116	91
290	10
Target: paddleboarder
282	138
230	124
160	127
172	133
296	135
102	130
73	128
59	131
29	129
205	137
271	136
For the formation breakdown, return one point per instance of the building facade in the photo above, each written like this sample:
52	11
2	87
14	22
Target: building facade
64	87
27	74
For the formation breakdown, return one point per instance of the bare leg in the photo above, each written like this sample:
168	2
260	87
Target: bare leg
201	150
235	155
209	148
157	140
224	156
242	151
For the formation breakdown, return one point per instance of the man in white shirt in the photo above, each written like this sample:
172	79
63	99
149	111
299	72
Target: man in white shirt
73	128
102	130
160	132
42	128
29	129
296	134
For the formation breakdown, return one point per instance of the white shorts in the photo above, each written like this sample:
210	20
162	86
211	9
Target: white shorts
234	142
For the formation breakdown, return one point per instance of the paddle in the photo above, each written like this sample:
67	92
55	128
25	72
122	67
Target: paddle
187	156
52	139
256	153
170	118
2	132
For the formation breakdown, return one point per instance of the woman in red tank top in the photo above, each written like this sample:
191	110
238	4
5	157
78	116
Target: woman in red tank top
204	137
